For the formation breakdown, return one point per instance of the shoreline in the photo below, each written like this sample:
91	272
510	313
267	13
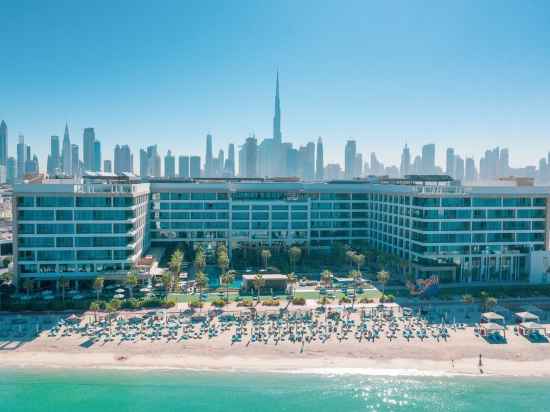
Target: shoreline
327	365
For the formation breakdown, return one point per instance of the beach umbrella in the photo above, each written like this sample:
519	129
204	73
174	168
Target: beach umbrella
77	297
144	290
120	290
119	296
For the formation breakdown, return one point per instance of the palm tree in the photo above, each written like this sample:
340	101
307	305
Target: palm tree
291	279
223	261
63	283
383	277
227	279
258	282
355	276
467	299
359	260
6	277
94	306
326	277
490	302
202	282
166	280
349	257
98	286
294	255
131	282
28	285
266	255
175	263
200	261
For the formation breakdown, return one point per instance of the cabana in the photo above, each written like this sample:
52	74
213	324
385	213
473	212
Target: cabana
492	317
489	328
534	310
528	329
523	317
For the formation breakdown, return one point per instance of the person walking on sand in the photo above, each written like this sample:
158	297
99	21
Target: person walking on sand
480	361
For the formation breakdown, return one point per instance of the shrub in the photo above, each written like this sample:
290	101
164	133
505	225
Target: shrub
219	303
132	303
271	302
387	298
246	302
299	301
364	299
324	300
344	299
195	304
115	304
169	303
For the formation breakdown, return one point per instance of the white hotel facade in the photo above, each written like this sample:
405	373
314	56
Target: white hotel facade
101	225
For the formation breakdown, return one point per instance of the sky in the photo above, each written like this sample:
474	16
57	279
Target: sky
468	74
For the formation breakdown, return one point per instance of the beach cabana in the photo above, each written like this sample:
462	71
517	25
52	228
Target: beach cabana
492	317
534	310
489	328
523	317
528	329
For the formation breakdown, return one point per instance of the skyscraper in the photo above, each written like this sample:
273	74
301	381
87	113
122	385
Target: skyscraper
195	166
405	167
88	149
76	167
11	170
459	168
54	160
149	162
250	157
470	173
3	143
124	161
21	157
97	156
107	166
319	162
450	166
230	162
183	166
428	159
66	153
350	157
208	166
277	135
169	165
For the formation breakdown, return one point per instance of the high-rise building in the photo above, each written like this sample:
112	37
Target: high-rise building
169	165
76	164
428	159
107	166
195	166
183	166
208	166
230	162
54	159
405	167
11	170
459	168
470	173
149	162
3	143
97	156
350	158
88	149
66	153
124	161
450	167
319	162
333	171
358	165
250	157
21	157
277	135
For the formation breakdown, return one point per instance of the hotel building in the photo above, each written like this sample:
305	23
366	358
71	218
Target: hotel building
101	225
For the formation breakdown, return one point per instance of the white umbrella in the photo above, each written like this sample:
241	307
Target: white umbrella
77	297
145	290
119	296
120	290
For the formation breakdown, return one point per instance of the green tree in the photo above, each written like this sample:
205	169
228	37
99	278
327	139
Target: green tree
326	278
94	306
349	257
258	282
356	277
467	299
266	255
98	286
63	284
291	280
223	261
383	277
294	254
200	261
359	260
226	280
131	282
166	281
201	280
490	302
28	285
176	260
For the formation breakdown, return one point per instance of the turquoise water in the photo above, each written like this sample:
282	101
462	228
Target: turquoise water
139	391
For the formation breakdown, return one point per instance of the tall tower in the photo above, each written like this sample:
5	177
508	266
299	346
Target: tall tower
66	153
320	167
3	144
277	136
209	157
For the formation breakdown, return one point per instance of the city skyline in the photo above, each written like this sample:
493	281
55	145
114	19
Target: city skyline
468	87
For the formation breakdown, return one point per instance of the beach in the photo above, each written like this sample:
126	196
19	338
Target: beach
457	355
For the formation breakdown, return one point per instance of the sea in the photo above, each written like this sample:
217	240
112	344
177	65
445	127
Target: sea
60	390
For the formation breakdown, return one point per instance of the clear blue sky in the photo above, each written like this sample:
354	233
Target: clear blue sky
471	74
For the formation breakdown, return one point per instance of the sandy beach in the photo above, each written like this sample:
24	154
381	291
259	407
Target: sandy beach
457	355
